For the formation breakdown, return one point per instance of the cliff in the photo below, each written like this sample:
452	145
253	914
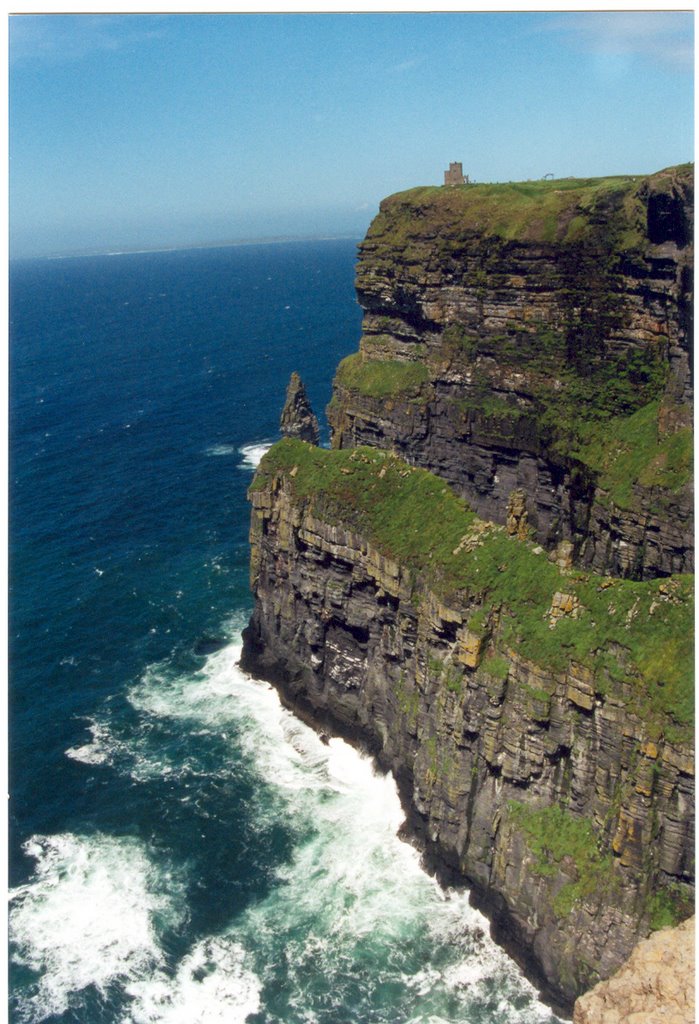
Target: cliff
537	337
538	720
484	582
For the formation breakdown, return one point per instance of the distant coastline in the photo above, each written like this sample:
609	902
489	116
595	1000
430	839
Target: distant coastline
135	250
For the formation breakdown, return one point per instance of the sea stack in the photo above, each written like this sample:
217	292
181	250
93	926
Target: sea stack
298	419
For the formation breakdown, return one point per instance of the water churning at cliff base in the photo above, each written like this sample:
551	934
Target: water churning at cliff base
182	849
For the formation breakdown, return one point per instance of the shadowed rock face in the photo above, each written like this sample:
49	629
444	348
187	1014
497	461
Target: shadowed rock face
529	345
657	984
298	419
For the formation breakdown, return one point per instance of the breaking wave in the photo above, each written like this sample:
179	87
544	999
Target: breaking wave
92	916
252	453
352	927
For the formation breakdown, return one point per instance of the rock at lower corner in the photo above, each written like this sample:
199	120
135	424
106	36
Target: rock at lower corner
298	419
655	985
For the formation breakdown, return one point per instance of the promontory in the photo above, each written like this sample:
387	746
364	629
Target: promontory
487	580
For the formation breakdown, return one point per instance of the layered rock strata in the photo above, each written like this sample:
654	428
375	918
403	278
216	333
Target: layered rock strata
536	337
542	750
526	675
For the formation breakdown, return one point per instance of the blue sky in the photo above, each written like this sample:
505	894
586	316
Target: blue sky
156	130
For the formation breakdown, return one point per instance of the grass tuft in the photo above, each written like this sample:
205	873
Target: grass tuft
381	378
555	836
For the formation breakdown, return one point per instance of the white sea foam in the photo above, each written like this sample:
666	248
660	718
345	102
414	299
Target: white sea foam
353	892
86	916
252	453
100	748
212	985
351	906
221	449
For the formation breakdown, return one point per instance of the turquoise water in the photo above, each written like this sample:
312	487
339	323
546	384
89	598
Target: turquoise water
182	849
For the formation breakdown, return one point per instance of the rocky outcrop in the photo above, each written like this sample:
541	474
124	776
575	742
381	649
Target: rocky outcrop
656	985
298	419
549	777
537	338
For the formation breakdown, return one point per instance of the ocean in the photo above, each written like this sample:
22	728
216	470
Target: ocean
182	849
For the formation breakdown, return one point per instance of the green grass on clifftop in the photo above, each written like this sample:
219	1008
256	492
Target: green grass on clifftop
539	211
632	634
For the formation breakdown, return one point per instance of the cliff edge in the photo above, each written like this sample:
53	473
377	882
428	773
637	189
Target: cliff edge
537	336
538	719
485	582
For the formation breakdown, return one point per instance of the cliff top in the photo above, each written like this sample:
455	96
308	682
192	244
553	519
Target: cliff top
629	633
561	210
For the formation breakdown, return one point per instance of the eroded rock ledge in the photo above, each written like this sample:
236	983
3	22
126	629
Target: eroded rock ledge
536	717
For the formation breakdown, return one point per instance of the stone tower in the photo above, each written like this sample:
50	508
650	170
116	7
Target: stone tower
455	175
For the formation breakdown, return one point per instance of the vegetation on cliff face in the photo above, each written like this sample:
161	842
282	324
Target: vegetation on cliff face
632	634
541	319
555	837
627	450
381	379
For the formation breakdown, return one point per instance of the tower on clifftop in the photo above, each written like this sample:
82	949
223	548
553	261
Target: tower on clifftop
455	175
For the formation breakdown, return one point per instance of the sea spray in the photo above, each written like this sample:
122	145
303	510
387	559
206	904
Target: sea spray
252	453
87	918
352	925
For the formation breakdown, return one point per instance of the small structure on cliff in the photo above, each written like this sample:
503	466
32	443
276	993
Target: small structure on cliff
298	419
455	175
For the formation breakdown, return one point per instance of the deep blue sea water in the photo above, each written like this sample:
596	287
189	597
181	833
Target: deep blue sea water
182	850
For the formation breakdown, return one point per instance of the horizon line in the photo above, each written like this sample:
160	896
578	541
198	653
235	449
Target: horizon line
137	250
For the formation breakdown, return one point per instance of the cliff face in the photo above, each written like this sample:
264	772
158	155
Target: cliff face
547	765
537	337
526	675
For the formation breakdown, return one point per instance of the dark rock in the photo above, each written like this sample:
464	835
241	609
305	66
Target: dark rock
206	645
518	339
298	419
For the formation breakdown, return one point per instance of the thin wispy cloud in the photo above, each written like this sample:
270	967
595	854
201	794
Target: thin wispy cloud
665	38
407	65
65	38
